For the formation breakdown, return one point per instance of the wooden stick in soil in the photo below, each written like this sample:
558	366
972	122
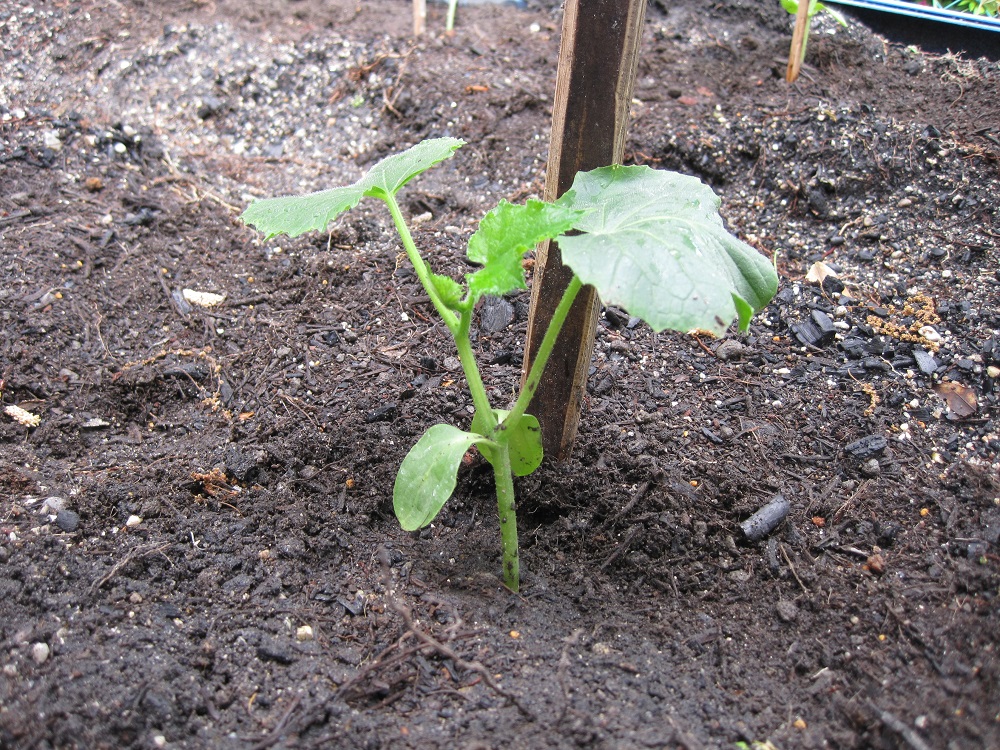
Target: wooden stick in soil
597	65
798	40
419	16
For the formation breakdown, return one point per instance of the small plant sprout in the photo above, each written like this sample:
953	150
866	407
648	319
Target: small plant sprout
649	240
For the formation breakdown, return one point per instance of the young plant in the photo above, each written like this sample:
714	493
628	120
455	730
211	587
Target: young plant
651	241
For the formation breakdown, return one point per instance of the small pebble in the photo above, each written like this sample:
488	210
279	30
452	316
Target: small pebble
925	361
304	633
133	521
68	520
993	371
930	333
53	504
787	610
870	468
40	652
50	138
729	350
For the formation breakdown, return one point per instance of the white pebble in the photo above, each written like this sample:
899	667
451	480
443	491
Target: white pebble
930	333
304	633
133	521
40	652
51	140
53	504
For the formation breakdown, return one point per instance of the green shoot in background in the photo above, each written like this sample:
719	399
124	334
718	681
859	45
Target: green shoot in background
649	240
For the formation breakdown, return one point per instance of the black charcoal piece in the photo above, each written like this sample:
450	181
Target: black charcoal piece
495	314
765	520
866	448
925	361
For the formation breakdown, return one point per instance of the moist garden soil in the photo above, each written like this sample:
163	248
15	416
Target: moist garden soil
198	547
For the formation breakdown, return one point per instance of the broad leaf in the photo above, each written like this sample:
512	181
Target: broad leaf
524	442
390	174
505	234
296	214
428	474
655	244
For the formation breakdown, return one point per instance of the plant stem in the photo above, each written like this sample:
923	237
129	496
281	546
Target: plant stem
471	369
508	518
449	317
544	351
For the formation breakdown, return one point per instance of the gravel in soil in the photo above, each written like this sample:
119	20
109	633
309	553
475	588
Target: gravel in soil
198	545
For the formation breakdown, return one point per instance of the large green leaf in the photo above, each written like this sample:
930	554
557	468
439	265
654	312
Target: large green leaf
523	441
655	244
505	234
428	474
296	214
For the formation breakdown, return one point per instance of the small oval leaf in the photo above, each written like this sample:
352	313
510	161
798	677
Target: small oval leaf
428	474
523	441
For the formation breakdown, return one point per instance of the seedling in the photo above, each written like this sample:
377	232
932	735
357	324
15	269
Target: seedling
651	241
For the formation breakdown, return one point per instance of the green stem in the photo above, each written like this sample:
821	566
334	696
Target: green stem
544	351
508	518
449	317
459	326
471	369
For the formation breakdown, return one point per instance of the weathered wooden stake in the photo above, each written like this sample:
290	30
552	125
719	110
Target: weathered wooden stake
597	66
798	41
419	16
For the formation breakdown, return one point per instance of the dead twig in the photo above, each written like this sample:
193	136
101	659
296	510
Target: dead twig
133	554
622	547
898	726
448	653
791	567
276	735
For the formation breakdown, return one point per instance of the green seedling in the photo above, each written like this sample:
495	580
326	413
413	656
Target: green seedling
649	240
989	8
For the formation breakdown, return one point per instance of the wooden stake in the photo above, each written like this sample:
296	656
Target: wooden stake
419	16
798	41
597	65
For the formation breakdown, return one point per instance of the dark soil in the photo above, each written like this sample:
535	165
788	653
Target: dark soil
205	482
